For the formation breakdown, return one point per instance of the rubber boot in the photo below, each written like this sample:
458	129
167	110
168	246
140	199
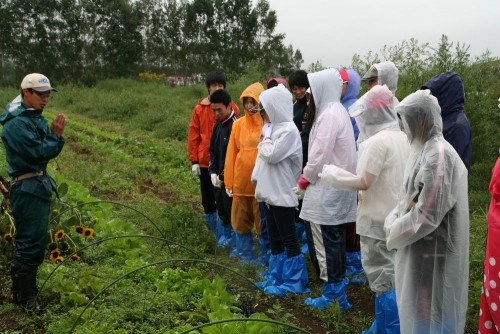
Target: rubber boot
273	276
15	285
233	245
211	219
386	313
24	285
222	239
354	268
264	251
331	292
295	278
300	229
246	250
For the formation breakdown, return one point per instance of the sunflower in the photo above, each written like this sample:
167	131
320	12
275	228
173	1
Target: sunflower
79	229
8	238
52	246
59	259
88	232
75	257
64	246
59	235
54	255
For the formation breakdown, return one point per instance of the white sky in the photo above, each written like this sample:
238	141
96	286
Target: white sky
333	31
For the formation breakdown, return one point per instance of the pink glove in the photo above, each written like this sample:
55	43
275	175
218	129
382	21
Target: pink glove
302	183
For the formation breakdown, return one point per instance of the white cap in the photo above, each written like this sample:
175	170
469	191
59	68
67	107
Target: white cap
37	81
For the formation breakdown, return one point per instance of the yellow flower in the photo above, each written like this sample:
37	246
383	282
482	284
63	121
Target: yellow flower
54	255
8	238
59	235
79	229
88	232
75	257
59	259
52	246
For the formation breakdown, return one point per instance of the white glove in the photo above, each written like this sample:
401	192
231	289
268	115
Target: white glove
195	169
267	130
229	192
299	192
216	182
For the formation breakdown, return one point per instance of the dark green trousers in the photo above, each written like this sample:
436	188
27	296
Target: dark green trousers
30	203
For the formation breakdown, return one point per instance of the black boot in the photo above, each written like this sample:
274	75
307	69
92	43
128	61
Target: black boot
24	287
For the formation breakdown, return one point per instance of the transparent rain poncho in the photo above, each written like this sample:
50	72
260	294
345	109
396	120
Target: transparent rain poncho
381	160
331	141
429	228
379	175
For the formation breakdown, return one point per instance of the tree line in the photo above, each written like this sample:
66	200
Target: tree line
85	41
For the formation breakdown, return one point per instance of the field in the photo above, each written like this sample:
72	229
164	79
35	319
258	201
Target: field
149	264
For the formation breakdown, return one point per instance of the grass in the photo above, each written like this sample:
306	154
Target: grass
126	143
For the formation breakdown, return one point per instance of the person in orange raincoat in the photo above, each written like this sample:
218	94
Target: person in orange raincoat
240	160
201	127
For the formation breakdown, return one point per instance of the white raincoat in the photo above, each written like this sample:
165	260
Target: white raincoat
429	228
331	141
279	160
381	160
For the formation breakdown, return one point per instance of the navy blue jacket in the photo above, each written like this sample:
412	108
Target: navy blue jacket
218	146
449	90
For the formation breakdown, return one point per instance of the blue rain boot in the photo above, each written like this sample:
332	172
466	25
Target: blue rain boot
386	313
331	292
221	236
273	276
233	245
353	263
301	230
211	219
246	250
294	276
304	249
264	252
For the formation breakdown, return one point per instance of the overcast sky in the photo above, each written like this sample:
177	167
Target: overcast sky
333	31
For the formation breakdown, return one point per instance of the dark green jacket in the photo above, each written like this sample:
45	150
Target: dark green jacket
29	142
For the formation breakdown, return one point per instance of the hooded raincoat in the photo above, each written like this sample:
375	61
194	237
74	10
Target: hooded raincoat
449	90
240	160
489	315
279	162
351	95
379	175
429	227
331	141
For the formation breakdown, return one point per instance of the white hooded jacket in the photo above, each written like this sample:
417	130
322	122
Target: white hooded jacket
331	142
279	160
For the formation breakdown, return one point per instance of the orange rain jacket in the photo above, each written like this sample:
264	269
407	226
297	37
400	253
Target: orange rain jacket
201	127
242	147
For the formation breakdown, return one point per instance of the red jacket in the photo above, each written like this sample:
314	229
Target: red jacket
201	127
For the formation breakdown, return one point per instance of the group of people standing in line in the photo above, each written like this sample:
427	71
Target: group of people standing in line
378	185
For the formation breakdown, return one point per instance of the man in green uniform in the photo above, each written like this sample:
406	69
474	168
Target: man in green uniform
30	143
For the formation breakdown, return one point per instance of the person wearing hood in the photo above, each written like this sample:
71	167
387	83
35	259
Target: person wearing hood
489	317
220	102
201	127
240	160
429	227
354	269
325	209
382	157
384	73
449	90
30	143
276	171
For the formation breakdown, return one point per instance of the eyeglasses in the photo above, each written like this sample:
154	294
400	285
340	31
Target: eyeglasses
40	94
257	108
